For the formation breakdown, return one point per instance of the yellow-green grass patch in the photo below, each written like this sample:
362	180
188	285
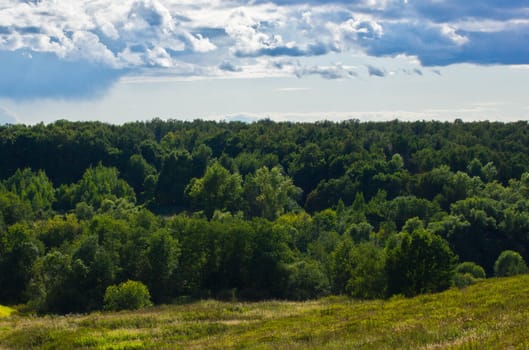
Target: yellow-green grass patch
6	311
489	315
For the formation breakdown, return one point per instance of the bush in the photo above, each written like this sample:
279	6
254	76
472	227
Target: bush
462	280
307	281
130	295
472	269
420	262
368	278
468	273
509	263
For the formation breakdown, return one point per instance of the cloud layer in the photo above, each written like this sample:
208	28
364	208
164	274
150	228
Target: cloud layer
66	48
6	117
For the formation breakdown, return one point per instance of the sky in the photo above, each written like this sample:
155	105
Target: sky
128	60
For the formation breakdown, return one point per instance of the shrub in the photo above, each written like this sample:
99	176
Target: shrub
307	281
130	295
468	273
509	263
471	268
368	278
462	280
420	262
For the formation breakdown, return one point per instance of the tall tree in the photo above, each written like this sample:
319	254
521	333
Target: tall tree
269	192
177	171
420	262
218	189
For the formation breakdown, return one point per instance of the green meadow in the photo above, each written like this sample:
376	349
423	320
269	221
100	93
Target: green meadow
491	314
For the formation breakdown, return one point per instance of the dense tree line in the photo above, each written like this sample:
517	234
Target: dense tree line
261	210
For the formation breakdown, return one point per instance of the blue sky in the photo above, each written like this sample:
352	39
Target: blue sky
127	60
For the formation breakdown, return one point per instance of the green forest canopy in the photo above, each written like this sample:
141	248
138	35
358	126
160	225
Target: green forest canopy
253	211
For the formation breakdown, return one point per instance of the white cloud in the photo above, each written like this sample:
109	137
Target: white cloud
292	89
86	45
200	44
159	57
336	71
7	117
362	26
252	35
451	33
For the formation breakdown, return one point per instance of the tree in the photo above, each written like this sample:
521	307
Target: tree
162	255
419	262
177	171
59	230
14	209
130	295
299	225
98	184
509	263
34	187
138	170
269	192
368	278
477	236
400	209
48	287
306	280
18	251
271	255
218	189
360	232
308	167
341	265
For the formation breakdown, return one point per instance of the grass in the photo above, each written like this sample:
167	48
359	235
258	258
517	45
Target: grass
6	311
492	314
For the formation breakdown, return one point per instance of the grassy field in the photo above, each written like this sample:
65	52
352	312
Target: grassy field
492	314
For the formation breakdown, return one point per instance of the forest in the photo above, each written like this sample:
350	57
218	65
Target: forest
94	215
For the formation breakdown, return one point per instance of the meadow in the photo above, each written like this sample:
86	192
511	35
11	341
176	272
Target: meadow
492	314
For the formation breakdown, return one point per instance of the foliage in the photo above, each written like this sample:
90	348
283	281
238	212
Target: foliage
19	250
306	280
471	268
97	185
254	211
162	261
341	265
218	189
509	263
129	295
48	288
270	192
420	262
468	273
368	279
33	187
176	172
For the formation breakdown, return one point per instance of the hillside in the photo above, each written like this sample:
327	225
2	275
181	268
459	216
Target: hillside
260	211
490	314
